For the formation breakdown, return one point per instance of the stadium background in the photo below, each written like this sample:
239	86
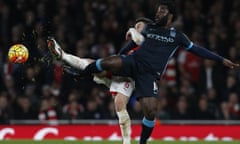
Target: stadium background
192	89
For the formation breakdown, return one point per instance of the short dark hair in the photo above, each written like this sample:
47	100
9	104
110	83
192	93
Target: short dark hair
171	7
144	19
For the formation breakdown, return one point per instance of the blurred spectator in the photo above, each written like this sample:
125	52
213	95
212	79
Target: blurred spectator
73	110
187	90
210	74
5	109
163	109
103	48
213	100
203	112
53	103
30	93
24	109
224	112
10	87
47	113
170	75
234	105
181	112
46	91
93	111
81	48
110	112
58	74
231	86
189	65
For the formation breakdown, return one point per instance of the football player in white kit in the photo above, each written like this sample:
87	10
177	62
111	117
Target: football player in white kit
121	88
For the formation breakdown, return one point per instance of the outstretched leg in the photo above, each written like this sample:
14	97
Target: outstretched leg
112	63
59	54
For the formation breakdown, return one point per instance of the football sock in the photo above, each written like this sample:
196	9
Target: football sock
94	67
147	128
76	62
125	126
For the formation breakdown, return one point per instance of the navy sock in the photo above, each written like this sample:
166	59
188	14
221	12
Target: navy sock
94	67
147	128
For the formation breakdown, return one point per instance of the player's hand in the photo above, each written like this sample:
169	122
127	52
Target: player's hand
229	63
135	36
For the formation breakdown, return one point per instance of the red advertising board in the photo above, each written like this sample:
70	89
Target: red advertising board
112	132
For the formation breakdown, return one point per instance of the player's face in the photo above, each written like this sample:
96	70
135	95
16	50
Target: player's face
161	16
139	26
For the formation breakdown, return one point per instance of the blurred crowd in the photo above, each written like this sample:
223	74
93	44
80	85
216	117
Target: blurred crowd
192	88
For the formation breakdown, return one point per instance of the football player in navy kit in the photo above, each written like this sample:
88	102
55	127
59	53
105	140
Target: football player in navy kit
147	65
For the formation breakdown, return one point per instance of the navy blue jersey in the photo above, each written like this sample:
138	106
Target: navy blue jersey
159	46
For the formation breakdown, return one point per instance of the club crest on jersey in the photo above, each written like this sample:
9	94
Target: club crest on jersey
160	38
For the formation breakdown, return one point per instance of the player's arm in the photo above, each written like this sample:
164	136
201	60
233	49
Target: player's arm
125	49
135	38
204	53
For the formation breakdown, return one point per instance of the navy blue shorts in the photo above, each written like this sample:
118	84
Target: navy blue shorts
145	82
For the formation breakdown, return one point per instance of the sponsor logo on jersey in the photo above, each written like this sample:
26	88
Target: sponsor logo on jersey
160	38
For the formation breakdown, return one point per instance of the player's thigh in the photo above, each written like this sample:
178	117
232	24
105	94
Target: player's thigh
147	92
120	102
123	88
146	86
123	85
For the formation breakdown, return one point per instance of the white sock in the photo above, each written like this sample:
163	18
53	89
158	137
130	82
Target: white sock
76	62
125	126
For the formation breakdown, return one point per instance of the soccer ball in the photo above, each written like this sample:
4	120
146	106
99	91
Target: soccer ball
18	53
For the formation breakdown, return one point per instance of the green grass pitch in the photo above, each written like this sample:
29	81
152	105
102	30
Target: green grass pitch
109	142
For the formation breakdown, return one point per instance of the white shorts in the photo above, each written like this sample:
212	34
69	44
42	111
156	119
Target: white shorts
123	85
102	80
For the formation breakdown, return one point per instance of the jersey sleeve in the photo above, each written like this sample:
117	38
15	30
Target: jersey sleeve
127	47
184	41
197	50
205	53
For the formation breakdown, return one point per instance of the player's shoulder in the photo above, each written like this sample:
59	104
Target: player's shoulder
173	29
178	33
